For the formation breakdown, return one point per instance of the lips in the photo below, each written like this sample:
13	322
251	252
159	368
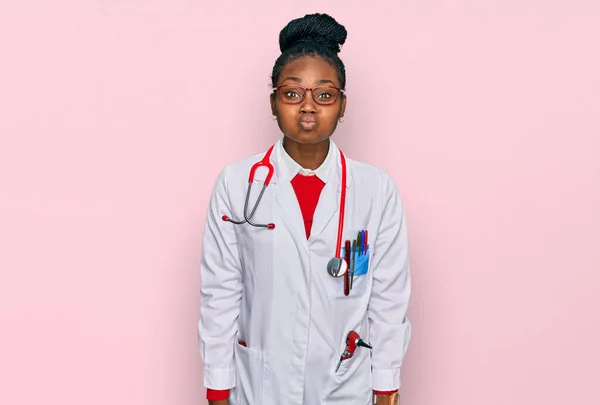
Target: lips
308	121
308	118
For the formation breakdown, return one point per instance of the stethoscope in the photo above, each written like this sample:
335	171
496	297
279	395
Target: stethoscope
247	218
337	266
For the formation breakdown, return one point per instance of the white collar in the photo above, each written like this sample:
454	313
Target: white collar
293	168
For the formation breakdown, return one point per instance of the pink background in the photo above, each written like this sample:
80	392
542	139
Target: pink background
116	116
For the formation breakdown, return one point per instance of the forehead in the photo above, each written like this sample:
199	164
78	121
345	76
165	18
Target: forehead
310	69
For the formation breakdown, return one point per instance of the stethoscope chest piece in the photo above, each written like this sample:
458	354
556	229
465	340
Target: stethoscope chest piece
337	267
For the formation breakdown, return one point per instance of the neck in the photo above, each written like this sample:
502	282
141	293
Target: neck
308	155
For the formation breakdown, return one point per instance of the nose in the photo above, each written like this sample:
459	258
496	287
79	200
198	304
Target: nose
308	105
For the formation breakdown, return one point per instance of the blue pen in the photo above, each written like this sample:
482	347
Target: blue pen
362	242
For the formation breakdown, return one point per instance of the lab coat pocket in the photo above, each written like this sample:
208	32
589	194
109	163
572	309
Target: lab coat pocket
358	360
250	365
358	282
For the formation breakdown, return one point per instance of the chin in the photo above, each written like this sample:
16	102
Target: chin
308	138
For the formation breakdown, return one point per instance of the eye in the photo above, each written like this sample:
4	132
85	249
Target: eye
291	94
325	95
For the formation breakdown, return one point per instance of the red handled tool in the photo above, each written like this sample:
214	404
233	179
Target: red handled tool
353	341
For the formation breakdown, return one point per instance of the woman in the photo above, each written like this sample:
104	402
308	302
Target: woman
305	275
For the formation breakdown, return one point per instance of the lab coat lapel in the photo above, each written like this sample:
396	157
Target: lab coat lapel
286	198
329	202
283	193
328	205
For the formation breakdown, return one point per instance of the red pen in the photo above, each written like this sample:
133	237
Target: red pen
366	240
347	249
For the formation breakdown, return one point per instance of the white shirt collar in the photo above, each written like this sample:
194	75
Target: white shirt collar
293	168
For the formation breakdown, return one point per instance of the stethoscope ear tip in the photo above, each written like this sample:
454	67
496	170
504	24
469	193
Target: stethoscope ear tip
225	218
271	226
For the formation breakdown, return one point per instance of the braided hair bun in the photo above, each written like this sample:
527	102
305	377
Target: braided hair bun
313	29
312	35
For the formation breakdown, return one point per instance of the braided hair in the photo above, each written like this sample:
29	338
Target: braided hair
312	35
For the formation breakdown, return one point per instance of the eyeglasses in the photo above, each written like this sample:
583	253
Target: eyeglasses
294	94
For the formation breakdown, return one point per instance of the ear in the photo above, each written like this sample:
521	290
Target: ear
272	98
343	110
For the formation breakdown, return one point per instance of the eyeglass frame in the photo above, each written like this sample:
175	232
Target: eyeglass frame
312	94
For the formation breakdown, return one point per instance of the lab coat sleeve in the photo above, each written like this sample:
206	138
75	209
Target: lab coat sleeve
221	292
390	329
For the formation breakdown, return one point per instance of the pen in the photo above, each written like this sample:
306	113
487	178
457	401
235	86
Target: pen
358	243
353	264
347	273
362	242
366	240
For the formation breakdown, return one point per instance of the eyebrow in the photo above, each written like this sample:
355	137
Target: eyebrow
299	80
295	79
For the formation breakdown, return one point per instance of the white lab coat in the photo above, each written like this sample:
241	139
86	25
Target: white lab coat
271	289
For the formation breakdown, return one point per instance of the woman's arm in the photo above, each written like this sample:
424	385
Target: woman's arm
389	327
220	293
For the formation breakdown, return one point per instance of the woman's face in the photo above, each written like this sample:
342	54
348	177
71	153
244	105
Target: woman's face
308	122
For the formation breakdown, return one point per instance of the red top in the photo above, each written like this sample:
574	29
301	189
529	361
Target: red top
308	190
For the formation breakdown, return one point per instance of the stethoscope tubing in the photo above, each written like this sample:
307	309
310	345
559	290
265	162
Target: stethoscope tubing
266	162
338	247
